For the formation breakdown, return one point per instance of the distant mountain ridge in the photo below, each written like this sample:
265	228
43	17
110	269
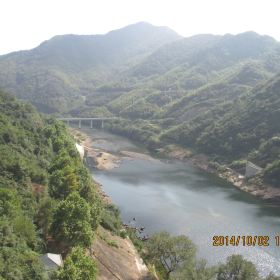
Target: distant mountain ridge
55	74
113	47
216	94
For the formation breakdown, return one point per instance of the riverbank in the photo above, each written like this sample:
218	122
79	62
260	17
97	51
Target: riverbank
255	186
116	257
100	159
103	160
172	195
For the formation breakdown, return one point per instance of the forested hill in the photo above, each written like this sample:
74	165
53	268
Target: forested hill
185	78
215	94
246	128
57	75
141	63
47	198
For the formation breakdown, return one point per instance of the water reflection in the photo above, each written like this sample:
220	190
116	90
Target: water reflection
181	199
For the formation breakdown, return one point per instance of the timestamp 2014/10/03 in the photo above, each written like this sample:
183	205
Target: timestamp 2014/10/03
245	240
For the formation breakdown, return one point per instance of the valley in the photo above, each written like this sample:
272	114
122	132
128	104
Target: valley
170	126
182	199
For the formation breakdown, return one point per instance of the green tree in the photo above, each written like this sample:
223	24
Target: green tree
72	221
9	203
17	260
170	252
78	266
63	181
237	268
44	215
24	228
272	172
198	271
271	276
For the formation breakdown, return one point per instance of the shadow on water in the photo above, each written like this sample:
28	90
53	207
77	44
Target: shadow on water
137	173
181	198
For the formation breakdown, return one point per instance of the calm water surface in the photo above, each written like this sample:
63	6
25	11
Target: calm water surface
181	199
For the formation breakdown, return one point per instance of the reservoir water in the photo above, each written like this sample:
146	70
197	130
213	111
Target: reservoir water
182	199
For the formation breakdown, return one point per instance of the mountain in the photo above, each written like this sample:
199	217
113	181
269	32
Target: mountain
236	128
215	94
189	76
77	53
58	73
246	128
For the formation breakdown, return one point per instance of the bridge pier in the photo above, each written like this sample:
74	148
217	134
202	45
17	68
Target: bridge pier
80	123
90	123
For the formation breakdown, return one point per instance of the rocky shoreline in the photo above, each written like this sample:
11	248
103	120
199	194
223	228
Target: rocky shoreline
104	161
238	180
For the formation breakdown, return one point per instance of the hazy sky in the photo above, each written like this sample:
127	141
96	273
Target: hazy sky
26	23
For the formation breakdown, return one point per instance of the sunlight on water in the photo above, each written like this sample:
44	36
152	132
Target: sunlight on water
184	200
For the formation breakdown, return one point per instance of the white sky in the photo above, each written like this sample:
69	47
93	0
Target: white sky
26	23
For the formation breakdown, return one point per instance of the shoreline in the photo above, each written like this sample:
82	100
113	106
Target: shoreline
201	161
102	160
124	258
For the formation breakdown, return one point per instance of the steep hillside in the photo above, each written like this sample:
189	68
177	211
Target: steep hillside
246	128
192	75
206	51
56	75
200	91
47	198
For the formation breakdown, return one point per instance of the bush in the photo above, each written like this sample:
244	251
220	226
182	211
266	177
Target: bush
77	266
111	219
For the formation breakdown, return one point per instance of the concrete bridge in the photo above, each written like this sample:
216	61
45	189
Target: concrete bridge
79	120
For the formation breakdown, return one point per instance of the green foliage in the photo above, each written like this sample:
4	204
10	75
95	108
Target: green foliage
63	182
25	230
66	68
133	236
77	266
247	127
202	92
111	218
170	252
198	271
272	172
174	258
72	221
17	260
42	182
271	276
44	216
267	152
9	203
237	268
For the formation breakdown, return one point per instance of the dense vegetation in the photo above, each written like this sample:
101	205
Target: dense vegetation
214	94
246	128
59	74
219	95
47	198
